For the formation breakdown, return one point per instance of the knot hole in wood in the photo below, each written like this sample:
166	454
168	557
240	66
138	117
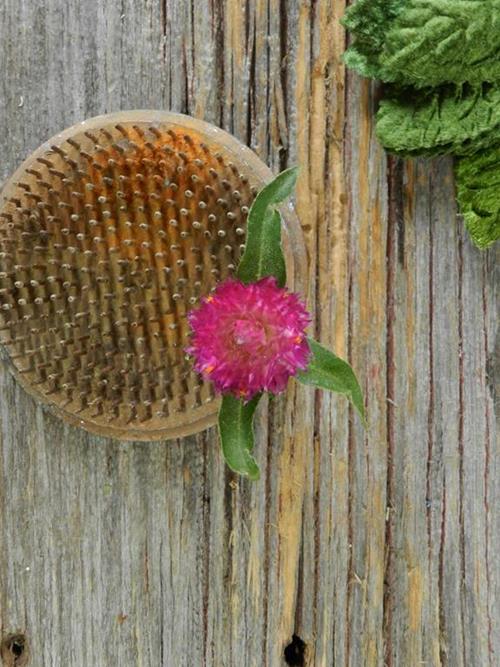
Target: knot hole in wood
14	650
295	652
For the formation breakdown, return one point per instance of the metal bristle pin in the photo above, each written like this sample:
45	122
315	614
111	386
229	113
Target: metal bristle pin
109	234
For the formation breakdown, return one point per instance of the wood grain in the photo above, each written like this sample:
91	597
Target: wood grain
375	547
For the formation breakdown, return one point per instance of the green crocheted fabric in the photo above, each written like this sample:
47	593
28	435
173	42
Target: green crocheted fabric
367	21
458	120
441	60
425	42
478	193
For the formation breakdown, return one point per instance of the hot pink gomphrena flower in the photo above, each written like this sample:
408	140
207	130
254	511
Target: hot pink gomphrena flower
249	338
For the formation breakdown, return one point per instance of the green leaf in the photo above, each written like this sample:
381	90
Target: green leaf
425	43
273	193
263	254
478	194
236	435
328	371
450	119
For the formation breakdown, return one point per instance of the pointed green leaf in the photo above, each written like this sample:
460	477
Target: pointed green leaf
236	435
263	254
273	193
478	193
328	371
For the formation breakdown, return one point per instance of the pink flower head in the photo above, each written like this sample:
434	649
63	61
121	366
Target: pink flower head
249	338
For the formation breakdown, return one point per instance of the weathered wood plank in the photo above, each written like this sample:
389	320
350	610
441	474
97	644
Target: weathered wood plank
374	547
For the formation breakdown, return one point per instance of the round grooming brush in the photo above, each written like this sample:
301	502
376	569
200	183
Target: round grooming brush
109	234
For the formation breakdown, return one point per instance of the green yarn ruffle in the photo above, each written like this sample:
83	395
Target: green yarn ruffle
450	119
441	61
478	188
425	42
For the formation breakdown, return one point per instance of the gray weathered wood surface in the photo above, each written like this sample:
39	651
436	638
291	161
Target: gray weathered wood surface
375	548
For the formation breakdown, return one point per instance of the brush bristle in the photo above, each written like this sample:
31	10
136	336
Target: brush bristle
106	241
